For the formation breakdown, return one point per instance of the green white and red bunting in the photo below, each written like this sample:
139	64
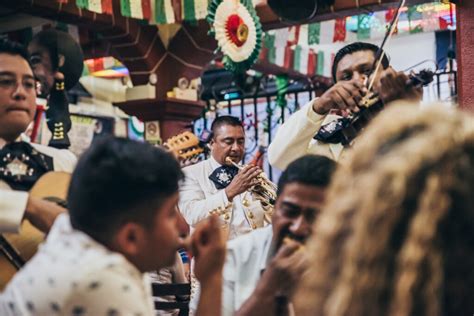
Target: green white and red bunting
98	6
238	32
164	13
138	9
194	10
302	47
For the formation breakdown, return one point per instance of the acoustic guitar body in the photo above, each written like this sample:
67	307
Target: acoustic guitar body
50	185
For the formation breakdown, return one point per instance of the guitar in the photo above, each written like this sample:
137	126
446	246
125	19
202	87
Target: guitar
186	147
17	249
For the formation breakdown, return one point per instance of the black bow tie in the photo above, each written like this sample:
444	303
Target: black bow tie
223	176
21	165
332	132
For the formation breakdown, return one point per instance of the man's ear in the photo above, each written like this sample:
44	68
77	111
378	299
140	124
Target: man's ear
130	238
211	143
61	60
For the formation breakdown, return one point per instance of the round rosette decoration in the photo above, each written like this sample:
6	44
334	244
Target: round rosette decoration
238	32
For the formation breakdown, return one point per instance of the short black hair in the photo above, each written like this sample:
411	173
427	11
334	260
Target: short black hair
225	120
117	181
312	170
353	48
15	49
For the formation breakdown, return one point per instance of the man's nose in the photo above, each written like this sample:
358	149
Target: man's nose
235	146
356	76
300	227
20	92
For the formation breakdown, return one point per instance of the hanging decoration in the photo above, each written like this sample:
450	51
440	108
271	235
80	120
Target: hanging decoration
282	84
238	32
138	9
305	49
97	6
104	67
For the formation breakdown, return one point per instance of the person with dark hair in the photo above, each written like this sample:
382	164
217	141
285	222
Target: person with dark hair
215	186
351	70
264	267
122	222
396	234
21	163
57	62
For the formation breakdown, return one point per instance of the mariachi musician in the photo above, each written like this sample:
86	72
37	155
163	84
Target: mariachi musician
57	62
21	163
352	68
217	186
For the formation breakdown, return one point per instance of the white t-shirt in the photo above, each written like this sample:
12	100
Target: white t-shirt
247	257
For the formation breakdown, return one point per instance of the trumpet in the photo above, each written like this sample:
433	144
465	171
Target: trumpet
265	190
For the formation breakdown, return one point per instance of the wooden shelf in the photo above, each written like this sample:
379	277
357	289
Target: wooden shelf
166	109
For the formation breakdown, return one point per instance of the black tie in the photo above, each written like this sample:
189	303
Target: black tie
21	165
332	132
223	176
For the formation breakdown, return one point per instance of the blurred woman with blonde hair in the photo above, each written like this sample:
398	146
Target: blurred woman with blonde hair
396	236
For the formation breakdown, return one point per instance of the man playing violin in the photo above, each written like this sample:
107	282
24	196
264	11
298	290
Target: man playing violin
351	70
263	268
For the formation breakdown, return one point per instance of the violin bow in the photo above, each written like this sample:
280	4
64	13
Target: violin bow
388	35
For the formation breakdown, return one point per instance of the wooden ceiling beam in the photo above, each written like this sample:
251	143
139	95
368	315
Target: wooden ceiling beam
341	8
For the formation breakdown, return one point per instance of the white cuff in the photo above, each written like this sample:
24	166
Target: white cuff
12	210
311	115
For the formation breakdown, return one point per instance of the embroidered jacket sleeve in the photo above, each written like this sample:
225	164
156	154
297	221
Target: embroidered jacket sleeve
293	137
194	204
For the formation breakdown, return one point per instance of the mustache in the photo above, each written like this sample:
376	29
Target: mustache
288	234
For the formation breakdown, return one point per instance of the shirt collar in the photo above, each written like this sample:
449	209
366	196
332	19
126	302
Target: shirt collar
214	163
268	248
20	138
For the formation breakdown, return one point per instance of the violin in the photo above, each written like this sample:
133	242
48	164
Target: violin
370	106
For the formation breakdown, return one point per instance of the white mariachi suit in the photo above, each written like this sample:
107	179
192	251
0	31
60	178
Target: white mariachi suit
199	198
13	203
294	138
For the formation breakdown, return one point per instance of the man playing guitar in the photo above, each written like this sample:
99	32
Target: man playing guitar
21	163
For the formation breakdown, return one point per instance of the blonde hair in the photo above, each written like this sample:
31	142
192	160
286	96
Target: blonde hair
396	236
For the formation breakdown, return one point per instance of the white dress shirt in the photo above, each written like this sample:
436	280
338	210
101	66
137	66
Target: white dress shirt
294	138
72	274
13	203
247	257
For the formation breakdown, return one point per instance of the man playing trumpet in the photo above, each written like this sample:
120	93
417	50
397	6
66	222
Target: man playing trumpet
264	267
216	186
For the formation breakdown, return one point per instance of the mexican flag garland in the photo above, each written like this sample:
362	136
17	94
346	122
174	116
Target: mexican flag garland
238	32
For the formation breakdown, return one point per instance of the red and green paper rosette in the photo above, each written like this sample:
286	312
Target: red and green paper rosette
238	32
